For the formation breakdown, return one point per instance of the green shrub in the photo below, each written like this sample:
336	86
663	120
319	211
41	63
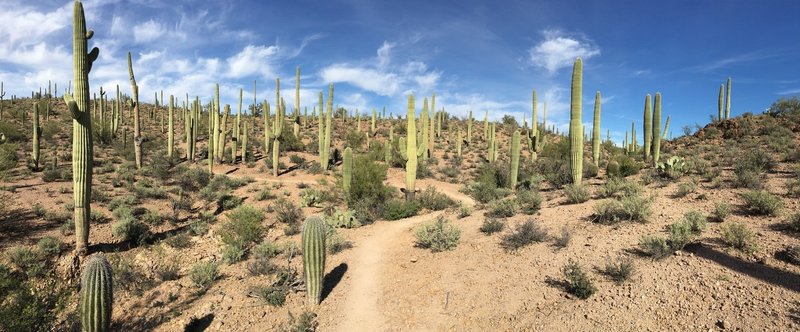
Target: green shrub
228	202
26	261
790	254
266	250
336	243
272	295
310	197
794	222
680	234
396	209
242	229
193	179
306	323
128	229
232	254
578	282
654	246
433	200
762	203
739	236
685	188
287	212
629	207
368	190
721	211
203	274
50	245
577	193
504	208
618	270
524	234
562	241
696	220
439	235
528	201
492	225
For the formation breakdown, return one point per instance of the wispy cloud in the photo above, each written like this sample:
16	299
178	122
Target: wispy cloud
789	92
729	61
559	49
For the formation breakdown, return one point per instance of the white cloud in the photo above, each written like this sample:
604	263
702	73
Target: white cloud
253	60
148	31
559	50
382	83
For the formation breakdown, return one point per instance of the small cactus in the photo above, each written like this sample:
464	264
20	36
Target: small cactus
97	294
314	257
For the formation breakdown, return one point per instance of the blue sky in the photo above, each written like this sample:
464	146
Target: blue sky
478	55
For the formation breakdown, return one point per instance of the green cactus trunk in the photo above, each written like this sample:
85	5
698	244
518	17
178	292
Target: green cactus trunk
326	156
137	122
458	143
82	149
486	126
596	130
666	129
347	170
223	133
36	135
97	293
424	119
533	137
320	128
469	128
657	128
170	129
372	126
244	142
728	99
720	102
514	159
237	124
314	257
411	150
575	124
215	117
267	131
296	125
276	154
648	127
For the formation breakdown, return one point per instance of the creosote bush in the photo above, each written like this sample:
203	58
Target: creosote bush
654	246
203	274
491	226
626	208
721	211
578	282
739	236
503	208
529	201
524	234
618	270
439	235
577	193
762	203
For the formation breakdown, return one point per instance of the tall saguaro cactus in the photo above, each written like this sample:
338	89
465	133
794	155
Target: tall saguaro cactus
137	131
314	257
575	124
326	146
97	294
411	149
171	129
728	99
36	134
82	149
596	130
666	128
657	128
347	170
514	159
720	102
648	127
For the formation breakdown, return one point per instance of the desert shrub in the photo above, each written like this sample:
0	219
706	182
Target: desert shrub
221	185
793	188
145	188
433	200
612	169
266	250
491	177
273	295
27	305
129	229
578	282
563	239
790	254
793	222
296	159
628	166
261	267
491	226
749	169
577	193
265	194
335	242
310	197
396	209
26	261
242	229
287	212
307	322
739	236
228	202
555	171
203	274
628	207
355	139
696	220
464	211
367	186
125	200
166	268
590	170
685	188
504	208
11	131
721	211
680	234
618	270
524	234
193	179
179	241
528	201
53	175
343	218
762	203
50	245
232	254
439	235
654	246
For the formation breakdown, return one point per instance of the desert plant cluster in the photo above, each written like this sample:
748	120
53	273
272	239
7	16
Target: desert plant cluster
182	215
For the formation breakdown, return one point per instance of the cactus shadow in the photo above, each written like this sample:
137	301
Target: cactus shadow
765	273
199	324
332	279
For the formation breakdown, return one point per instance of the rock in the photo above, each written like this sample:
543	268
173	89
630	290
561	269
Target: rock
413	259
722	324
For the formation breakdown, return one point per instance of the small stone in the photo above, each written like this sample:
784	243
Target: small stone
413	259
722	324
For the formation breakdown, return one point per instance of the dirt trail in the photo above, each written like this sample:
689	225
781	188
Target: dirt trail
366	262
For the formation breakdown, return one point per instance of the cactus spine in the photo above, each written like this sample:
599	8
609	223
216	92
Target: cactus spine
514	159
347	170
657	128
648	127
728	99
170	130
82	149
36	134
276	147
720	102
97	293
314	257
411	149
575	125
596	130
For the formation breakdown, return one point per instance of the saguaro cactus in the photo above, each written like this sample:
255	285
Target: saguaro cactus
728	99
97	294
171	129
411	149
244	142
347	170
720	102
82	149
596	130
575	125
514	159
276	147
458	143
36	134
648	127
469	128
314	257
666	128
296	122
657	128
137	132
326	146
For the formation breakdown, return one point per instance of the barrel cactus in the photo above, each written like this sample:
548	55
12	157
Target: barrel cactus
314	257
97	295
575	124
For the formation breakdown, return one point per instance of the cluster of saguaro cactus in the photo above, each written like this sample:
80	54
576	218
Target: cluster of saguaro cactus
575	124
411	150
596	130
314	257
82	148
347	170
97	294
514	159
